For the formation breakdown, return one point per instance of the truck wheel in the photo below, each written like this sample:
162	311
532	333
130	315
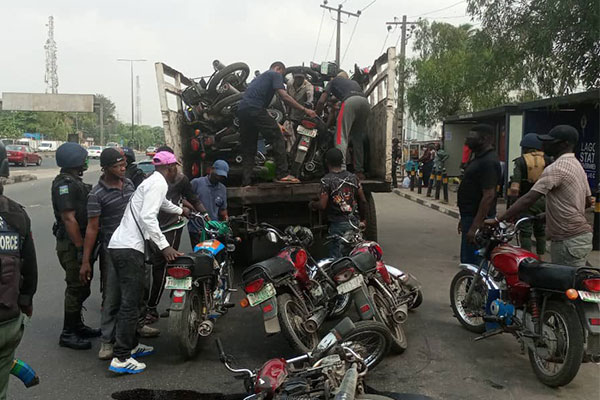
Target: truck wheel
371	217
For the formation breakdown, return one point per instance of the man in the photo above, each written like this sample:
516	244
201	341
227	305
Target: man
568	194
527	171
351	120
69	201
477	190
303	92
396	158
105	208
180	193
18	266
427	160
254	118
342	198
133	172
213	194
127	247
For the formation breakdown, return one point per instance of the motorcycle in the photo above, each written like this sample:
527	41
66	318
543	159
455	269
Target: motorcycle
201	285
552	310
307	155
332	369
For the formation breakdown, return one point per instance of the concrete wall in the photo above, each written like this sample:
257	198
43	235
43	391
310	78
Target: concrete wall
48	102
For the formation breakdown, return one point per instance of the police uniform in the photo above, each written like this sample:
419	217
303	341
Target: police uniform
135	174
69	193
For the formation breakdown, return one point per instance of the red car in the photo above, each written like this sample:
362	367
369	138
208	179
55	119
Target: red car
22	155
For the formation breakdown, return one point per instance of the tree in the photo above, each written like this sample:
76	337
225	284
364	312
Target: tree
458	69
555	43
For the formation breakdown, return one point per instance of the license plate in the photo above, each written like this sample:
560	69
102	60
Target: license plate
349	286
263	294
307	132
589	297
178	284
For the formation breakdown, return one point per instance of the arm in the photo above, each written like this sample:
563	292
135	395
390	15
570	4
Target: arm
168	207
590	201
29	272
362	204
321	103
190	195
91	233
223	215
153	203
293	103
310	93
72	227
520	206
320	204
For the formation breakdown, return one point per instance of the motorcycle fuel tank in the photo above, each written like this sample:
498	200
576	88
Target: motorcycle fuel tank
506	259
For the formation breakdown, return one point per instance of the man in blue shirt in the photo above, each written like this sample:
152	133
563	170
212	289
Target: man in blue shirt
254	118
213	194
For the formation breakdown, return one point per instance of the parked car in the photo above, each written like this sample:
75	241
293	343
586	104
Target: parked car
146	166
112	144
22	155
151	151
6	141
95	151
48	146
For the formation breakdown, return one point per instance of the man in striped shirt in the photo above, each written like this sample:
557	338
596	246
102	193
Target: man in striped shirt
568	194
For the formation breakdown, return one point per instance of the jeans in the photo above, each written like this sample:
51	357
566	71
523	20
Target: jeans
159	268
336	246
572	251
467	250
11	333
130	272
111	298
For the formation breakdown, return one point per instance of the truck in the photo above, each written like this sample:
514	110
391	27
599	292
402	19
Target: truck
287	204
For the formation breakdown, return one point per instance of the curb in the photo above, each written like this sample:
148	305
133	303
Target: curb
19	179
431	204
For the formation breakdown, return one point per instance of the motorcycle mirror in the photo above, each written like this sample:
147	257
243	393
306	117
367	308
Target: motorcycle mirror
271	237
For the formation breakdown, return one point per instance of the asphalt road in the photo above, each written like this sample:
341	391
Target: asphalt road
442	361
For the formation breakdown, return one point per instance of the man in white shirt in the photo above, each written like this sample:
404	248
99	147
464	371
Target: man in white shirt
126	247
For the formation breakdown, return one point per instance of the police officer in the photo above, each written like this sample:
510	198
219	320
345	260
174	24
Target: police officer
133	172
528	169
69	200
18	268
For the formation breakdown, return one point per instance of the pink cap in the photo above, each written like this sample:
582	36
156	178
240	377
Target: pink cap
164	158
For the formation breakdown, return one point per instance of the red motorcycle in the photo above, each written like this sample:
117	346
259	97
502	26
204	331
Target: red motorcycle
553	310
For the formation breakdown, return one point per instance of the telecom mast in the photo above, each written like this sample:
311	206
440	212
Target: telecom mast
138	101
51	77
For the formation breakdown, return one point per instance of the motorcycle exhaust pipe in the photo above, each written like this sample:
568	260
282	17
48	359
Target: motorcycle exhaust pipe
205	328
400	314
314	322
407	279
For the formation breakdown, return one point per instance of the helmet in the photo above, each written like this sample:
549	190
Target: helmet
129	154
71	155
531	141
4	172
304	235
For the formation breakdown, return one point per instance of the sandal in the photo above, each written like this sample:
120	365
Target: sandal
288	179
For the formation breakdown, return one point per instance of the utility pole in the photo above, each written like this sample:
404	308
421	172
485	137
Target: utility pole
131	61
338	20
402	70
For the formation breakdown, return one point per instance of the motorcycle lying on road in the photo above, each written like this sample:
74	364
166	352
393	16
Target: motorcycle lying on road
552	310
201	284
332	370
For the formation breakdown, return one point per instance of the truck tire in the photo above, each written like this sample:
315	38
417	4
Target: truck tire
313	76
371	217
213	84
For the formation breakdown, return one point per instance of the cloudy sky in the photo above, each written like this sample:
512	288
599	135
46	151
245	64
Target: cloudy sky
187	35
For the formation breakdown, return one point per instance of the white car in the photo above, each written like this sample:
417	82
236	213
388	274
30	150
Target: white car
95	151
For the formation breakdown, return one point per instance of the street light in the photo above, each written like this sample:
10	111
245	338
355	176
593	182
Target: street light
131	61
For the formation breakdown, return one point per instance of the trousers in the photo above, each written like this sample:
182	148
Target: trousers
111	298
76	292
572	251
352	125
159	268
11	333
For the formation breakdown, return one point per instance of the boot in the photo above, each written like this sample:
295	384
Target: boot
69	337
85	331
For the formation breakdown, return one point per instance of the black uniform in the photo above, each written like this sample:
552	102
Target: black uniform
134	173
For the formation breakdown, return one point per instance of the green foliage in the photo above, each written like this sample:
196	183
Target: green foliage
555	42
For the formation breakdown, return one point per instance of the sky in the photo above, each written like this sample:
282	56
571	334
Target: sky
188	35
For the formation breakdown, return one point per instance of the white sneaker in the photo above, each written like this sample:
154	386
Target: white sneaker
142	350
129	366
106	351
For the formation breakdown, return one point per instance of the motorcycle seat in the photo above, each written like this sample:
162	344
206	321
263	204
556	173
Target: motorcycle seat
547	276
200	264
273	268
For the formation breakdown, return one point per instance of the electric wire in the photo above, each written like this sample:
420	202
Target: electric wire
350	40
330	42
368	5
319	34
384	42
440	9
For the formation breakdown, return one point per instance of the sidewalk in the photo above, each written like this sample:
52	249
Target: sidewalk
451	209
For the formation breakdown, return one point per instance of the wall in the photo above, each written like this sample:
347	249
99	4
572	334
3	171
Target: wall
515	130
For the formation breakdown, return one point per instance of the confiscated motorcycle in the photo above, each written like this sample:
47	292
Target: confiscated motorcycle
308	153
332	370
201	285
552	310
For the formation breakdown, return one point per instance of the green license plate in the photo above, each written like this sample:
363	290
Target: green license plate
589	297
178	284
263	294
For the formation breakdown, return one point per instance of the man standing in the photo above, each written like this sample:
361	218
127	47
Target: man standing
568	194
426	161
527	171
105	208
127	247
69	201
213	194
477	190
303	92
254	118
132	172
18	265
351	120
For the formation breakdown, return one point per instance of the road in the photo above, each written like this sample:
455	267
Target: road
442	361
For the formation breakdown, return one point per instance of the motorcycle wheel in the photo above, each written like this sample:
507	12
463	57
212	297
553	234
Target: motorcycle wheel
184	324
562	335
384	310
367	396
341	304
229	101
371	340
292	314
458	290
417	301
217	78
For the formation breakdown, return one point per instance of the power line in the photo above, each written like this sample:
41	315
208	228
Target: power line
330	42
319	34
384	42
440	9
350	40
368	5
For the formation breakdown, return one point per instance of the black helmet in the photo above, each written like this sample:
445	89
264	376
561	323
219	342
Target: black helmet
531	141
129	154
71	155
304	235
4	172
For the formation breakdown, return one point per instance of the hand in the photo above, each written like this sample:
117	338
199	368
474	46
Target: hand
491	222
27	310
170	253
85	273
310	113
206	216
459	228
186	212
471	235
362	225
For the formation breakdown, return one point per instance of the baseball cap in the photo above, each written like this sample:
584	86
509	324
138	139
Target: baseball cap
164	158
110	156
564	133
221	168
